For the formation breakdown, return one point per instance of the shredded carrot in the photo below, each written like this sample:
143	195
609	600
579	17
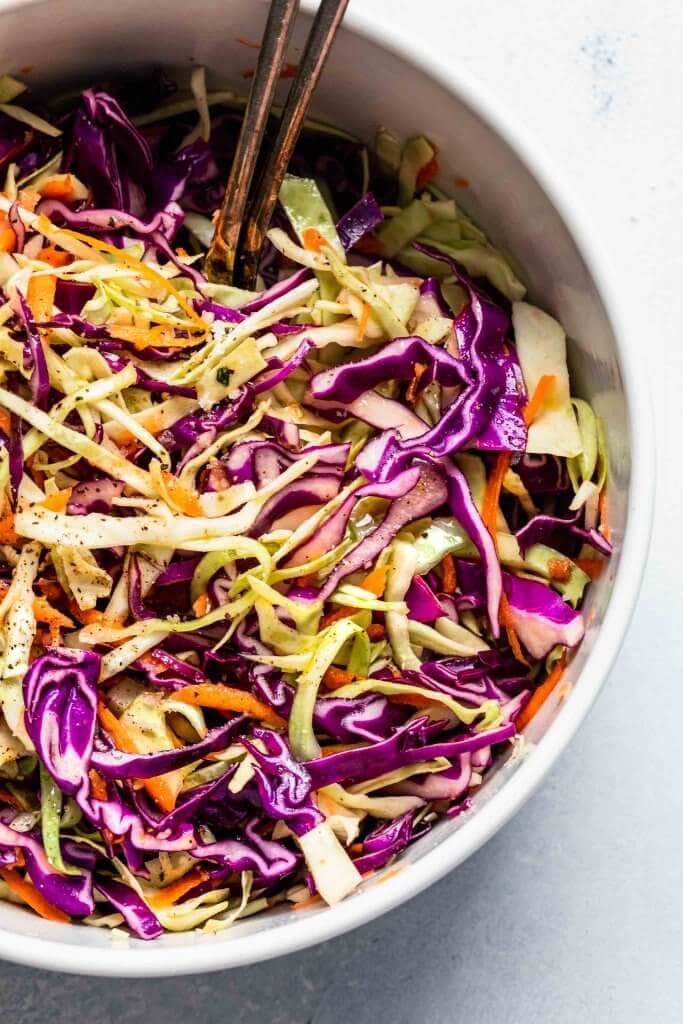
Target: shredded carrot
494	484
411	393
8	534
513	639
363	322
603	509
448	578
54	256
540	695
306	581
376	631
5	421
202	605
313	240
335	677
335	616
36	901
356	848
592	567
98	788
163	789
413	700
49	589
87	617
58	501
312	901
170	894
228	698
97	785
54	619
185	499
40	296
559	569
141	268
28	198
427	172
376	580
8	239
540	396
59	186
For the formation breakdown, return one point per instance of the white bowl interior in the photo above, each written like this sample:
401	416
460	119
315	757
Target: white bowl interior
365	85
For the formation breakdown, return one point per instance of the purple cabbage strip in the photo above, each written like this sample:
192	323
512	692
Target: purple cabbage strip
115	764
40	379
404	747
426	495
284	785
60	696
386	841
363	217
268	859
70	893
137	915
556	532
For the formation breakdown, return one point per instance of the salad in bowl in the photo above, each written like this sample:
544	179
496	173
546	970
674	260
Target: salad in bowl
283	572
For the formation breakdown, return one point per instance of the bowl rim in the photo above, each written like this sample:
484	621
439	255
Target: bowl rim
145	960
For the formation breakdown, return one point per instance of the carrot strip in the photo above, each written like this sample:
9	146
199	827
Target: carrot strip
376	631
427	172
58	501
5	422
170	894
186	500
540	695
603	509
228	698
40	296
8	534
376	580
98	786
363	322
306	581
8	239
448	578
335	677
335	616
592	567
163	789
559	569
50	589
494	484
513	639
312	240
411	393
413	700
539	398
36	901
202	605
55	257
54	619
312	901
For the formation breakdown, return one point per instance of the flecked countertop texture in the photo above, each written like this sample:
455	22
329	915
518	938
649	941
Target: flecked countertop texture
571	913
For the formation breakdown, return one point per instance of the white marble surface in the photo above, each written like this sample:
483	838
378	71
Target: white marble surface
572	913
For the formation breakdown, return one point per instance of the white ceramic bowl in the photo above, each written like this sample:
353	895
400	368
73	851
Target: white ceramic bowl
373	80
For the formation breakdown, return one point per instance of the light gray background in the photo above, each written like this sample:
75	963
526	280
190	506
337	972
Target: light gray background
573	912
